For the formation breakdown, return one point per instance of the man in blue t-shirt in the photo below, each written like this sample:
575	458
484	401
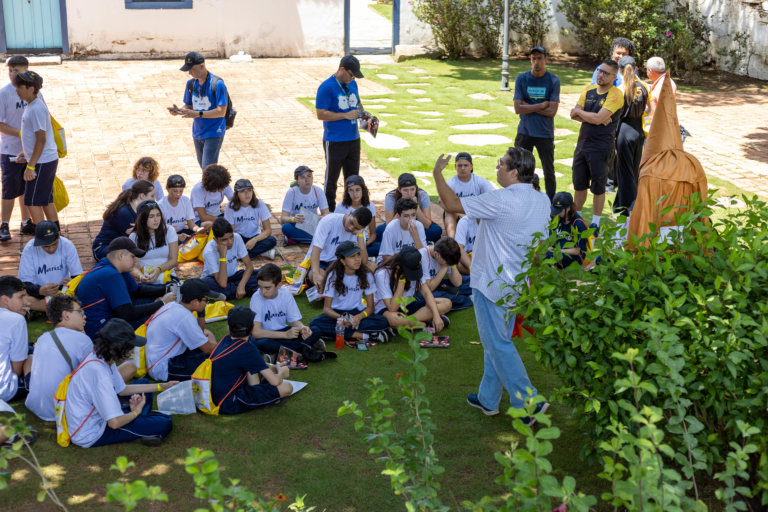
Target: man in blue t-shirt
537	96
108	290
338	106
620	47
205	101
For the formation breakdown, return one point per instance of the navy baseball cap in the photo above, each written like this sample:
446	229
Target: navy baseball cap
118	331
124	243
539	49
301	170
406	180
243	184
192	59
346	249
175	181
463	156
240	320
354	180
46	233
410	262
351	64
627	60
561	201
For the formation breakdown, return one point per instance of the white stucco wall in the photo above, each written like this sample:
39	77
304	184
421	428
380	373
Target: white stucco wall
277	28
412	31
730	17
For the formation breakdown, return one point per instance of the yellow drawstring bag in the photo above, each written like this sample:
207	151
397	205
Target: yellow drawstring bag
201	380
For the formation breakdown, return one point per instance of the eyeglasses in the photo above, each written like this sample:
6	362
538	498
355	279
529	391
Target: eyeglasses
604	72
76	311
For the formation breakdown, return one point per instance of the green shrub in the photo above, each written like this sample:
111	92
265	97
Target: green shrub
485	20
448	20
530	19
695	310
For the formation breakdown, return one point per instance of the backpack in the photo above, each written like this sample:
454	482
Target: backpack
140	354
201	380
231	113
60	398
59	137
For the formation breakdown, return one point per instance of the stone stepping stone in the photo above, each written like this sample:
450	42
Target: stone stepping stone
382	123
480	139
429	113
370	66
408	123
384	141
418	71
433	119
414	84
565	161
562	132
481	96
730	202
375	106
452	87
385	76
386	114
423	100
416	131
393	159
416	91
479	126
471	112
421	173
381	100
540	173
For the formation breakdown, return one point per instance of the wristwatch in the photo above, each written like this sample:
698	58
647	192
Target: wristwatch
200	114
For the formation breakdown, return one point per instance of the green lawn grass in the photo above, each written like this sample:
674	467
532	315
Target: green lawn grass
384	10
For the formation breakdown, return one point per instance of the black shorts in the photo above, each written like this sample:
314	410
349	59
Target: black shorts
12	177
39	191
590	170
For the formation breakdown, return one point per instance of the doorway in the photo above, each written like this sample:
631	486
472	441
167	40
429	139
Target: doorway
37	26
370	26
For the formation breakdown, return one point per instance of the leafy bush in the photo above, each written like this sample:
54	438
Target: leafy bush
694	309
485	20
674	30
448	20
530	19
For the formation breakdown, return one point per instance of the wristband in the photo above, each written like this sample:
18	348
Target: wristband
293	220
361	234
159	387
453	266
135	414
31	167
401	281
365	314
223	259
19	133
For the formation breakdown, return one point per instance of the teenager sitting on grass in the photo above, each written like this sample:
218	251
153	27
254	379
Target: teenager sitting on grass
208	196
443	278
240	379
465	184
250	218
146	168
347	283
401	277
177	209
301	195
570	229
93	411
159	243
15	362
120	216
407	188
220	258
402	231
466	232
356	195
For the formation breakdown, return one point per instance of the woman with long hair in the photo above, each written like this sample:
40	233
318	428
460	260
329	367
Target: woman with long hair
629	135
160	242
120	216
356	195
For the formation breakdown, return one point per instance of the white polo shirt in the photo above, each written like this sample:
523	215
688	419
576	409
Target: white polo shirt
170	323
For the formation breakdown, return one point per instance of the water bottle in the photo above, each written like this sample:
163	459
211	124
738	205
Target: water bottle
339	333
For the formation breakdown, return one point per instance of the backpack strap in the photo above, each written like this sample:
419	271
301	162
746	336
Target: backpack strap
166	353
83	363
64	353
214	81
226	352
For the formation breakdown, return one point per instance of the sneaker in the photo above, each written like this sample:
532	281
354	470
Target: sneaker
290	241
378	337
270	254
475	402
319	345
27	228
5	233
541	408
446	321
596	228
30	438
151	441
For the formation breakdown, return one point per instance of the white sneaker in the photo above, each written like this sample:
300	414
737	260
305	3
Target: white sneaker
270	254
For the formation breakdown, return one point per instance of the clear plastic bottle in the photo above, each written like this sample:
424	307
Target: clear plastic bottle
339	333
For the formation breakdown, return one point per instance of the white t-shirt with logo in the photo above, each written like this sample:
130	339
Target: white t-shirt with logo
353	298
474	187
466	232
156	256
429	265
38	267
329	234
36	118
211	201
14	345
171	323
422	199
49	368
11	111
314	200
275	314
247	220
211	257
159	194
94	387
395	238
384	290
340	208
177	216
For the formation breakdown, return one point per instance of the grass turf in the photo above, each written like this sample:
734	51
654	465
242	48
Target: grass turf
384	10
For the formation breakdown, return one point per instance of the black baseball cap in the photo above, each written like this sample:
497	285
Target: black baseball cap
149	204
346	249
123	242
192	59
195	289
354	180
240	320
301	170
118	331
46	233
561	201
175	181
539	49
406	180
410	262
243	184
463	156
627	60
350	63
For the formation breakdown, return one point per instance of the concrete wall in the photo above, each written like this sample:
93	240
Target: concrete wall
276	28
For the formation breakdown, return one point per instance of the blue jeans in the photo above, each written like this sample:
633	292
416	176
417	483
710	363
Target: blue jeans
272	345
502	366
325	327
299	235
232	283
148	423
433	232
208	150
261	246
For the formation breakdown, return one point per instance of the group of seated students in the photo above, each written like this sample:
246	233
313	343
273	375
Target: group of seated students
137	251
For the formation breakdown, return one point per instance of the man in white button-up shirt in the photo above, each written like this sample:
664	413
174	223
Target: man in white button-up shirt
510	218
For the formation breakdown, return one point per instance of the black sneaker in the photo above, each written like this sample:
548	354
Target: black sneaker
151	441
5	233
378	338
27	228
30	438
541	408
475	402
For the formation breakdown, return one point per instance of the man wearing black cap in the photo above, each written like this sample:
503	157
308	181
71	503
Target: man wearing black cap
537	96
177	342
338	106
47	263
107	289
205	101
177	208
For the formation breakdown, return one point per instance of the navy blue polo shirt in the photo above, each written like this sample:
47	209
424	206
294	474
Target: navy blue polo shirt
202	98
100	291
331	96
226	371
115	226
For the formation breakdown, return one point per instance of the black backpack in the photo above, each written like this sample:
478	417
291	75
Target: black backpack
231	113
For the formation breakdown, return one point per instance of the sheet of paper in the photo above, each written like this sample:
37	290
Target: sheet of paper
297	386
311	220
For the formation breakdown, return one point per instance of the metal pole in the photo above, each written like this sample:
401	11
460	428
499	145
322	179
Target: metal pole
346	27
395	24
505	53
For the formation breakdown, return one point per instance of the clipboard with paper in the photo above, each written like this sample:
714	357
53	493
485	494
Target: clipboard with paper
311	220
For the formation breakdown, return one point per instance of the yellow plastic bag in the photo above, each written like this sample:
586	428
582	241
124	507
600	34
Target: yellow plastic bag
201	381
60	195
60	399
59	137
216	311
192	249
297	281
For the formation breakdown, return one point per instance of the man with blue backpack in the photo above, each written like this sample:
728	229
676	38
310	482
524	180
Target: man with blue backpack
207	102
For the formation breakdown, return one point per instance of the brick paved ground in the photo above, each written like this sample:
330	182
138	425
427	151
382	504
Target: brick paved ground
114	113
